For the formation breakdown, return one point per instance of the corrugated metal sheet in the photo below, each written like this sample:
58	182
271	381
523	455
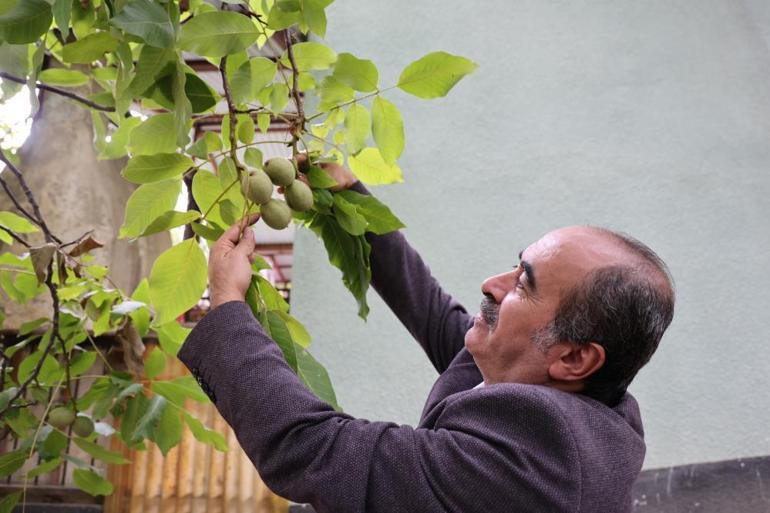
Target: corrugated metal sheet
193	477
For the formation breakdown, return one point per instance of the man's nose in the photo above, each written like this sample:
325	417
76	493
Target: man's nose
498	285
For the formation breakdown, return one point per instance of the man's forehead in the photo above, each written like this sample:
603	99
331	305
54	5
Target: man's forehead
575	249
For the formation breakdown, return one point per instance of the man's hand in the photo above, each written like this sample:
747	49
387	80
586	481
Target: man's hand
340	174
230	263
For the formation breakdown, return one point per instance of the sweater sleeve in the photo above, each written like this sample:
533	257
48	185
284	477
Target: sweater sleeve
434	318
307	452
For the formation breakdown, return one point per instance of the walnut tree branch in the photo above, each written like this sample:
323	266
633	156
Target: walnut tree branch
38	217
59	91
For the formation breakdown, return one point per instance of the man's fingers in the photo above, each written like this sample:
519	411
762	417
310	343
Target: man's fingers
233	234
247	243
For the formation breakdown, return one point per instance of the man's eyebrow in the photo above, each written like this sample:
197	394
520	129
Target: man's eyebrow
529	271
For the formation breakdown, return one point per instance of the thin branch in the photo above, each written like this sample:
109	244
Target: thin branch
17	238
35	208
295	81
15	201
230	106
59	91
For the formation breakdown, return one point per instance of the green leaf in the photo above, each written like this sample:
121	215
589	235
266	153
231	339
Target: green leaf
269	295
116	147
63	77
245	128
5	395
164	427
16	223
43	468
318	178
199	94
151	61
141	316
209	143
169	220
358	124
279	19
360	74
279	332
177	280
156	167
434	75
10	462
350	220
371	169
333	93
155	363
250	78
253	158
348	253
155	135
171	336
179	389
379	218
388	129
90	48
146	20
150	418
311	56
8	502
263	121
314	17
279	97
296	329
315	377
182	106
206	188
208	232
147	203
215	34
25	22
91	482
62	9
207	436
82	362
100	453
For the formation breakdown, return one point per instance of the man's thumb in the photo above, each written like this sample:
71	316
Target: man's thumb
247	243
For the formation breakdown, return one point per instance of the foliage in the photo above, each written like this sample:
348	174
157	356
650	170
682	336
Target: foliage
130	52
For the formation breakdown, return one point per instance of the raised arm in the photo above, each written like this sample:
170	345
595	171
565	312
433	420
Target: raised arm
307	452
399	275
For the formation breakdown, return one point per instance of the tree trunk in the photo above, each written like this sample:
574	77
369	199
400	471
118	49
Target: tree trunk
76	193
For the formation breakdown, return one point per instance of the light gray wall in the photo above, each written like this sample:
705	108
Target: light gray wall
649	117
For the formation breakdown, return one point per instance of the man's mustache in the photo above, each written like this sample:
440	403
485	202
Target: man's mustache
489	310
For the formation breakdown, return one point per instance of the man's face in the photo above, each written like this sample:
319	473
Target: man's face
524	300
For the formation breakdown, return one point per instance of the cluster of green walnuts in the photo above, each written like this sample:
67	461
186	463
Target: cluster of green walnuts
63	416
257	186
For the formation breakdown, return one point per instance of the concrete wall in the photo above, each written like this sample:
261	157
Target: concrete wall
649	117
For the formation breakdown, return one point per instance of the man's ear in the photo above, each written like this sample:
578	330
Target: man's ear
573	362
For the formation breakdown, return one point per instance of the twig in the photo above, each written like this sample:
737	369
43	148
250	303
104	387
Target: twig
230	106
35	208
17	238
61	92
15	201
295	80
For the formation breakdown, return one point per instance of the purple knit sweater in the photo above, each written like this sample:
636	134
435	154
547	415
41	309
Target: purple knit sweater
500	448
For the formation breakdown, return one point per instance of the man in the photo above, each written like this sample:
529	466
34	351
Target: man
530	411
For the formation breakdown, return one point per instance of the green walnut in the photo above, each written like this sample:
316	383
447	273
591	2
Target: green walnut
83	426
280	170
299	196
257	187
61	417
276	214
